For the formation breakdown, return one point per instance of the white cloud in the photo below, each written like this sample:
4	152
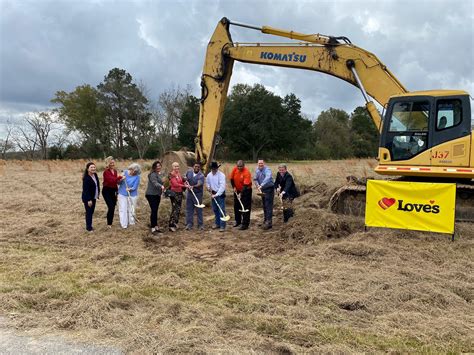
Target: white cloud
467	85
369	24
244	74
148	37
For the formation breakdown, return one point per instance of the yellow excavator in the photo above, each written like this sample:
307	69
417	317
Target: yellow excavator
424	135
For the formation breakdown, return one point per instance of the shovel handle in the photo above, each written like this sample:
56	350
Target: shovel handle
220	209
281	200
129	201
238	198
195	197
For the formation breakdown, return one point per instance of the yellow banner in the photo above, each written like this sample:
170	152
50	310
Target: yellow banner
411	205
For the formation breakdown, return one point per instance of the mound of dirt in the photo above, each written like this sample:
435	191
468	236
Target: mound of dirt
313	222
310	226
315	195
311	196
184	158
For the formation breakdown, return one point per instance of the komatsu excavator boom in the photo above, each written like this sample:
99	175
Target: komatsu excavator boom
424	134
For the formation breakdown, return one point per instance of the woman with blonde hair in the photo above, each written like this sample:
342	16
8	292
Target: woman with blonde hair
110	188
128	195
176	195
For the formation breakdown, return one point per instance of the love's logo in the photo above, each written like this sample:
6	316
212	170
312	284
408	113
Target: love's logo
386	202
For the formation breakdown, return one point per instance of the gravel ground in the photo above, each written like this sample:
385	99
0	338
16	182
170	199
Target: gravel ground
13	342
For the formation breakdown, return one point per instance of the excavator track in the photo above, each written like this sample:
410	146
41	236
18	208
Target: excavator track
350	200
465	202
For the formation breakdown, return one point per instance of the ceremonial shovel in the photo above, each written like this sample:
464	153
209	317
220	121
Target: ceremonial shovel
130	203
238	198
281	200
224	217
198	204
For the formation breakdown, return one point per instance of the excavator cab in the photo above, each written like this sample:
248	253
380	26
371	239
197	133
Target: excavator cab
427	129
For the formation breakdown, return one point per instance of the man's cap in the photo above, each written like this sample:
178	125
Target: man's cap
214	165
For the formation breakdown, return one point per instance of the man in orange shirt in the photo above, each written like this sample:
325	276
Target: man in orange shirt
241	181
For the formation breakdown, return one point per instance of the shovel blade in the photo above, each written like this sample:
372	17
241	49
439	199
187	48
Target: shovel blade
200	206
244	211
225	218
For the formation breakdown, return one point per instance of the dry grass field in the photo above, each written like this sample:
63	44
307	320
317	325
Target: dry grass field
317	284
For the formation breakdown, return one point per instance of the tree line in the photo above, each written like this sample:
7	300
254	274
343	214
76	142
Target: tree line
118	117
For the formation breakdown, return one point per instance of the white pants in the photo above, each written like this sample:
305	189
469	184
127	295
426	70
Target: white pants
126	207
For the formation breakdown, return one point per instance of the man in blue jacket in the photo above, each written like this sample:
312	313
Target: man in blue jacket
195	180
264	183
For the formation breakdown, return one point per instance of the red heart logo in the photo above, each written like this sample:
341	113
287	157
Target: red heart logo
432	201
386	202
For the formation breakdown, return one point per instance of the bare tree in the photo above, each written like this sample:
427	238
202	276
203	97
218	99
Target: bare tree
42	123
139	127
60	139
26	140
166	115
7	144
140	132
34	134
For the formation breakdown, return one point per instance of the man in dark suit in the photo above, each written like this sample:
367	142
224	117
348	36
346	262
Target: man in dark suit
286	190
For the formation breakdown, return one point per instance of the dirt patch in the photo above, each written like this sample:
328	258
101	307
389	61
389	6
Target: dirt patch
352	306
311	225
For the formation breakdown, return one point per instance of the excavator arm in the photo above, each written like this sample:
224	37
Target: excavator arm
335	56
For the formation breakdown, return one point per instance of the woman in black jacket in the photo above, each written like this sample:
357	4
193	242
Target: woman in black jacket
90	192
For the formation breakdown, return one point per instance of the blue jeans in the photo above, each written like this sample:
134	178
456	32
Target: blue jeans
190	208
217	213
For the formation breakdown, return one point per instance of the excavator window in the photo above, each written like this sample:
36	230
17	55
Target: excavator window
448	114
410	116
408	131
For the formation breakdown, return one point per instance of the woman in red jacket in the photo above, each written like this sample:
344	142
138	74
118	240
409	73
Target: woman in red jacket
176	196
109	191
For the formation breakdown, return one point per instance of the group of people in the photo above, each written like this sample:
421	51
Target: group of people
124	189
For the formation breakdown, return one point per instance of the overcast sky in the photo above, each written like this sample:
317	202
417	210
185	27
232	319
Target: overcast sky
46	46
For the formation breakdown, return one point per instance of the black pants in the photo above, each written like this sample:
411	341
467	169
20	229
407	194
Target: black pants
89	213
288	211
110	198
267	201
243	217
154	202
